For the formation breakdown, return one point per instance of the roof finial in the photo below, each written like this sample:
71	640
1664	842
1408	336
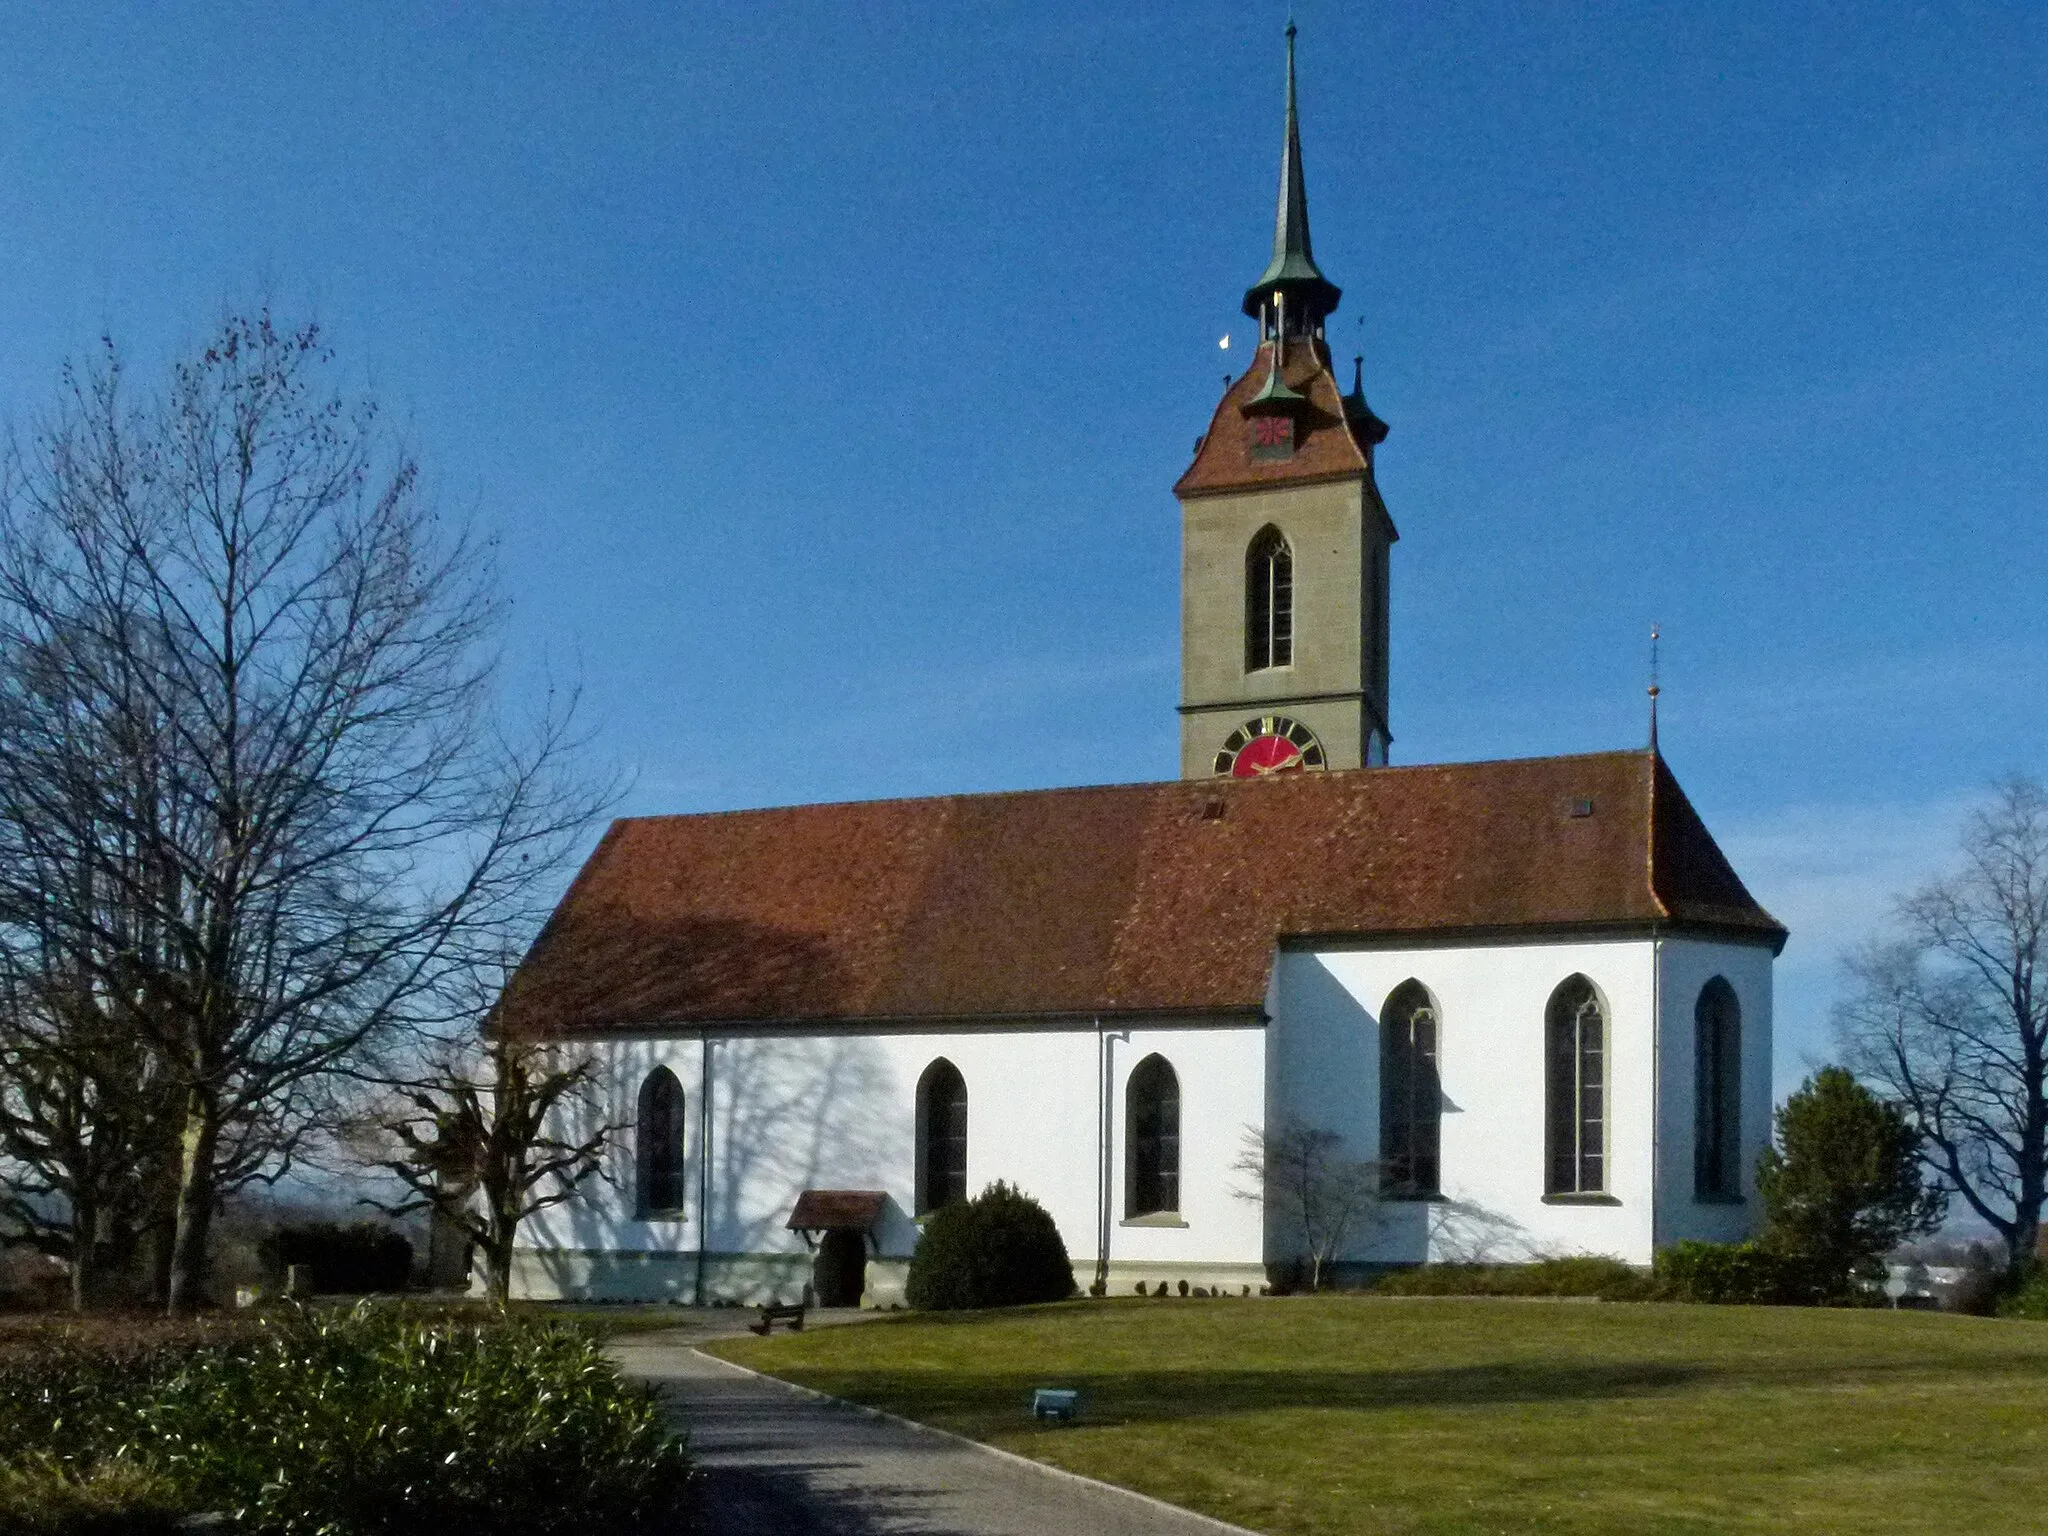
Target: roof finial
1656	634
1293	266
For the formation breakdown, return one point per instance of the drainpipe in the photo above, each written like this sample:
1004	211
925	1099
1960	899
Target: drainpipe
1656	1082
1105	1151
703	1159
1101	1158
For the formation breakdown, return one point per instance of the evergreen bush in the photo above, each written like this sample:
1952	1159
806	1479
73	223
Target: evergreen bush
1843	1186
1000	1249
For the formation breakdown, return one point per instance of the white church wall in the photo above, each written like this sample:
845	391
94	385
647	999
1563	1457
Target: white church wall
1324	1055
1687	966
822	1109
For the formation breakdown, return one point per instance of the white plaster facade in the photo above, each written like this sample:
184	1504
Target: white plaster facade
834	1108
1324	1062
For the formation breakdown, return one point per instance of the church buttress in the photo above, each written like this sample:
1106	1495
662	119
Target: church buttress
1284	538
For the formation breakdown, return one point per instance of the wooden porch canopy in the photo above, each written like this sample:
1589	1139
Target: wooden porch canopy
828	1210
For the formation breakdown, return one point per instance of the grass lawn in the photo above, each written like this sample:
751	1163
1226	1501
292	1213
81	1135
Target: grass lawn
1339	1414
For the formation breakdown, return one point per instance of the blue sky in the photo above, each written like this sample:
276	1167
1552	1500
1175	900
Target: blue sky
824	369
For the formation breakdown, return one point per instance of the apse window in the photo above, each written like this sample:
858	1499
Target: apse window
1575	1090
1717	1087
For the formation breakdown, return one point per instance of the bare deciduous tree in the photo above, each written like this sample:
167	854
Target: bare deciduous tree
492	1136
1300	1172
248	703
1947	1018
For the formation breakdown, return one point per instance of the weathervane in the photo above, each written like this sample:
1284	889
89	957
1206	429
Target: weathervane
1656	635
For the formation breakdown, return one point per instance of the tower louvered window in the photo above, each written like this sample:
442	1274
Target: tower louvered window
1268	602
1576	1090
1411	1095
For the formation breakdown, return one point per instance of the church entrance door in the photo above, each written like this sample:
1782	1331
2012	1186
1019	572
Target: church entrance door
839	1273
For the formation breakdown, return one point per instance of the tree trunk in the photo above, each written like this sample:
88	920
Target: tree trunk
2023	1247
85	1223
196	1150
498	1268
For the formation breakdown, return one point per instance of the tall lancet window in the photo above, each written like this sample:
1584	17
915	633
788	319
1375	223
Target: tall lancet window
658	1144
1575	1085
941	1136
1717	1119
1411	1095
1268	602
1152	1139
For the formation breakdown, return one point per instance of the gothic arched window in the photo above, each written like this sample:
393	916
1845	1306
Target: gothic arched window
1268	602
1575	1090
941	1136
1411	1095
1717	1089
1152	1139
658	1144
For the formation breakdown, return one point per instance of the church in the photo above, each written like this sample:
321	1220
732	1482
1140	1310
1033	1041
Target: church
1533	994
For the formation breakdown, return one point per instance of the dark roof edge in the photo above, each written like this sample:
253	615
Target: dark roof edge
1194	1017
1540	933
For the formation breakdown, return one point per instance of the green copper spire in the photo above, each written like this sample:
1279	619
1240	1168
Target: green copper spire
1293	270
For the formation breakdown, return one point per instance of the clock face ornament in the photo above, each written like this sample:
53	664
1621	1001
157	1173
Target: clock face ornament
1270	744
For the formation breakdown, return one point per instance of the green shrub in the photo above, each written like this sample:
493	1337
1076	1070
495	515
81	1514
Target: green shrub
2028	1298
1588	1275
371	1422
343	1424
44	1496
1000	1249
1739	1274
353	1260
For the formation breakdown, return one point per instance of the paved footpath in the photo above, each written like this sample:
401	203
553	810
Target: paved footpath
781	1462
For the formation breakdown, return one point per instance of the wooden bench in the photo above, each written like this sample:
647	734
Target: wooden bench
770	1316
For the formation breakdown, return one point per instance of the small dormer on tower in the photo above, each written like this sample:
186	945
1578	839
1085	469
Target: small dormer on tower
1284	538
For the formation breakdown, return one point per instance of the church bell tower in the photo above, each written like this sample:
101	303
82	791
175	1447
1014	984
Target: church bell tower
1284	538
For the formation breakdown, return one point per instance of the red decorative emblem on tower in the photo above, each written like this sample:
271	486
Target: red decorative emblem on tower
1272	437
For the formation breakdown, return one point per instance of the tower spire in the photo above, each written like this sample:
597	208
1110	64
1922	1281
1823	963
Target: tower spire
1292	271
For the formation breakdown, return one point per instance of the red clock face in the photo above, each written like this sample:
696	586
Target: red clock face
1270	744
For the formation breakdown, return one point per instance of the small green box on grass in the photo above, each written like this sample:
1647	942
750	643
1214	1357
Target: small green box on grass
1056	1405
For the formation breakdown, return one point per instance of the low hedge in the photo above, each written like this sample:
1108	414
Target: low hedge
362	1423
1000	1249
1741	1274
1590	1276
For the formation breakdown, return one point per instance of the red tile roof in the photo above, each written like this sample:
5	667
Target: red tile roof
1325	448
1136	898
